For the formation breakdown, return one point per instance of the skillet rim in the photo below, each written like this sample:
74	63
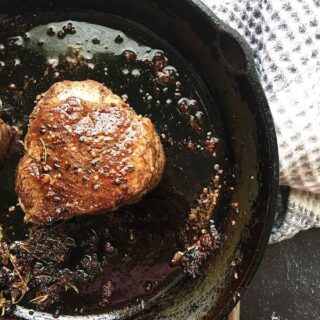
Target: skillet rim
252	75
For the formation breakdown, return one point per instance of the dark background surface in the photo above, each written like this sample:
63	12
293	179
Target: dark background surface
287	284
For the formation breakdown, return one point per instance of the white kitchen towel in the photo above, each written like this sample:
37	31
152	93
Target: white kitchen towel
285	38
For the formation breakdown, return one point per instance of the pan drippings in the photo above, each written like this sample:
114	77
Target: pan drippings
100	263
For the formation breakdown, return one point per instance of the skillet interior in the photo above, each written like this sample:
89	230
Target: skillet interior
227	71
145	235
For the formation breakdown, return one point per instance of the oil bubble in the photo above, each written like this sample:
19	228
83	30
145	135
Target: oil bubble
136	73
125	97
129	55
159	61
53	62
183	105
61	34
18	41
95	41
118	39
88	56
51	32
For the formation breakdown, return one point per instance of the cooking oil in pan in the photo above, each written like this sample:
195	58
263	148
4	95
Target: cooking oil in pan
133	247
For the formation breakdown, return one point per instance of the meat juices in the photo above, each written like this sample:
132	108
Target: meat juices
87	151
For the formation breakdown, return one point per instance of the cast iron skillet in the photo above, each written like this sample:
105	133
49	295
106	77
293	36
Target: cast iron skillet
224	63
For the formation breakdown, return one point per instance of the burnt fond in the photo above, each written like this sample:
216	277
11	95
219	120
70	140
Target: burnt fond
217	97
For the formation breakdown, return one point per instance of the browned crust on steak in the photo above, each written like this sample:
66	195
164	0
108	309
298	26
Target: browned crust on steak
87	152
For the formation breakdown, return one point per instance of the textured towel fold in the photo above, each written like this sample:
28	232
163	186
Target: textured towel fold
285	38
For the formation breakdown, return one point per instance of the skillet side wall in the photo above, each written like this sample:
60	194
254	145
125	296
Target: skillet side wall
224	63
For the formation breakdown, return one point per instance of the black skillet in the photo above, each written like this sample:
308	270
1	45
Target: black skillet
223	64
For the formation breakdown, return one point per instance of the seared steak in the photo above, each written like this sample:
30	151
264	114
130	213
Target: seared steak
86	152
